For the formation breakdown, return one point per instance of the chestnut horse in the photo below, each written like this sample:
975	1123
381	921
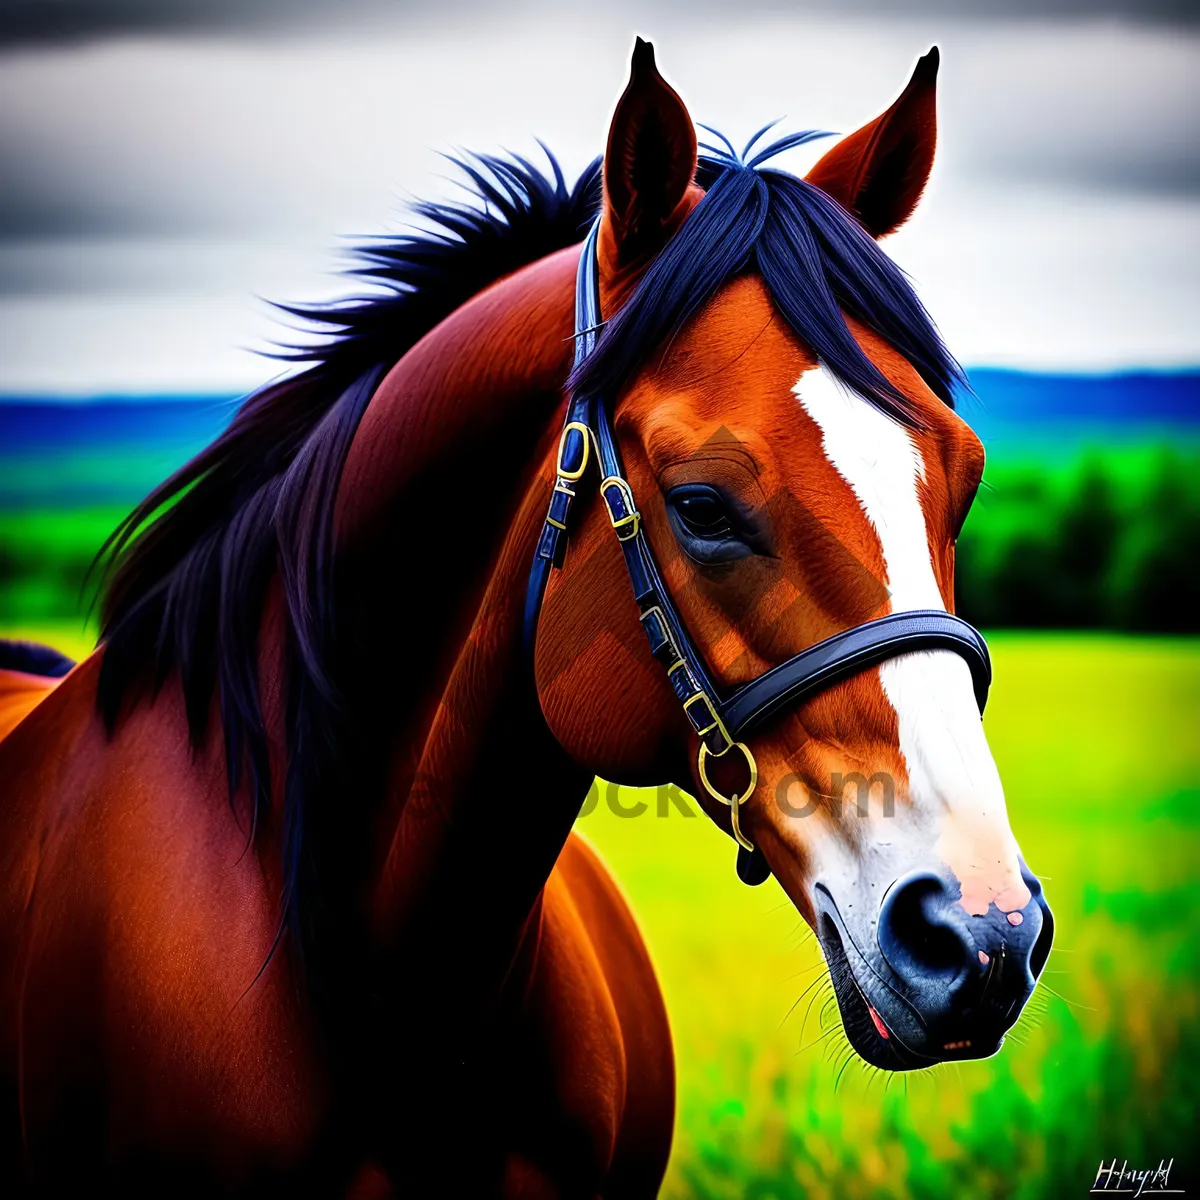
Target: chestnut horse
289	898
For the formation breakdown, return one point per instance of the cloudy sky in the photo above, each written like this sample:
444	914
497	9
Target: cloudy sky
169	165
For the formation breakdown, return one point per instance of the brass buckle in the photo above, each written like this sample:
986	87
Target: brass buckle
715	723
627	526
735	800
562	472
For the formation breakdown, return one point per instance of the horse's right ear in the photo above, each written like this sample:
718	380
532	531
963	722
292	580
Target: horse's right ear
649	163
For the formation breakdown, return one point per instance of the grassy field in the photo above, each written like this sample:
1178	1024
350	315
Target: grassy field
1096	739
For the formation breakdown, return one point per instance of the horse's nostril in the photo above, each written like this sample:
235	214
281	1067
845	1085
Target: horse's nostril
1041	948
920	935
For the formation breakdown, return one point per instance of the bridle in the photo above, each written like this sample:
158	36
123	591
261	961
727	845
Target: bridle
719	721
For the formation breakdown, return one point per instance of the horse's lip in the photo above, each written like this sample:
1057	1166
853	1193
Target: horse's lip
880	1025
854	997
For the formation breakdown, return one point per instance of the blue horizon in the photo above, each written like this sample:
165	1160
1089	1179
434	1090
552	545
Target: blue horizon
53	450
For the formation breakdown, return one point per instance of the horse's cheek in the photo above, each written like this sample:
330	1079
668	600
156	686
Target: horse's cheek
604	698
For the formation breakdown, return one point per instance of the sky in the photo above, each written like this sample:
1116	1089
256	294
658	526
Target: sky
170	167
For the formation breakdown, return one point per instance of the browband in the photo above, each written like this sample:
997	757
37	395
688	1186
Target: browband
718	721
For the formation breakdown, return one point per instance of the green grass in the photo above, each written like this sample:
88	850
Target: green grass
1101	537
1096	740
45	556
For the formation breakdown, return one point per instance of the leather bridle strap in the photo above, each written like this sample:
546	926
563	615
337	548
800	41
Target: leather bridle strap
717	721
847	653
574	445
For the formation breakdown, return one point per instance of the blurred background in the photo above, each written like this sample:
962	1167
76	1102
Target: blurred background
169	168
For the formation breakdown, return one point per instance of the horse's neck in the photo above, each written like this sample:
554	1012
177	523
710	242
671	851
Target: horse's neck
438	516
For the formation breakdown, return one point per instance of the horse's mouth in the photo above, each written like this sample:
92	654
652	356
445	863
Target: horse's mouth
870	1036
882	1026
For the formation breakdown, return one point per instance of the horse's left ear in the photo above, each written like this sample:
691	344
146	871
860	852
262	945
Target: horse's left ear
650	160
880	172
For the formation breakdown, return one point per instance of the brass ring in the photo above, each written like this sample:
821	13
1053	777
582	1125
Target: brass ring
734	800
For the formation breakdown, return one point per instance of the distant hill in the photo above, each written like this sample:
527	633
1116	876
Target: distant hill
1156	397
1020	413
68	454
1090	517
113	449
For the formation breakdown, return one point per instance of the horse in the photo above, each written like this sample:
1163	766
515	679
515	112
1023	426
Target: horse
291	901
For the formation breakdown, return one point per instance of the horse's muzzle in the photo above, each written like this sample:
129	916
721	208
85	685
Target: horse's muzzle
934	983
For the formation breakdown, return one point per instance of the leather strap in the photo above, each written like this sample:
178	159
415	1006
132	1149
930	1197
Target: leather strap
574	446
847	653
669	642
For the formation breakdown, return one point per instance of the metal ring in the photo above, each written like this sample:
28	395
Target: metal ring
734	800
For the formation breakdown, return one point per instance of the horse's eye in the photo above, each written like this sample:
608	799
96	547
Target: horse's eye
704	513
707	525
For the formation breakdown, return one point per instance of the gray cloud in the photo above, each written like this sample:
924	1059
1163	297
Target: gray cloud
53	21
154	185
310	137
1103	110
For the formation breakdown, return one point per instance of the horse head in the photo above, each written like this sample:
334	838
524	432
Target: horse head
783	409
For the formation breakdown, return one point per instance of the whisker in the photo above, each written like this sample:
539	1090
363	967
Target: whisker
804	971
1072	1003
838	1080
796	1003
820	1037
811	1002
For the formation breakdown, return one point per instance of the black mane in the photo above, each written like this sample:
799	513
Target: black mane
186	573
817	262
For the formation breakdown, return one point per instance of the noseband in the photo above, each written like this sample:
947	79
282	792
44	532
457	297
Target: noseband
718	720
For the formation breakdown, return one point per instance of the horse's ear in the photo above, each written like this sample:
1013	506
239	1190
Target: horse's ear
650	160
880	172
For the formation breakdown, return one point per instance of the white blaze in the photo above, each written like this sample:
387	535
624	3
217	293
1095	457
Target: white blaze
953	783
